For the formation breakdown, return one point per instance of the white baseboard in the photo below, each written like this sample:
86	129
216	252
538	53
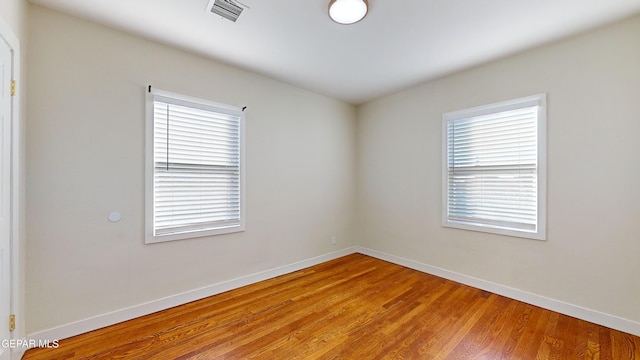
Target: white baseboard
100	321
561	307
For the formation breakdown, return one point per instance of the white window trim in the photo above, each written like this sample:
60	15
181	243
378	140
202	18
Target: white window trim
151	94
534	100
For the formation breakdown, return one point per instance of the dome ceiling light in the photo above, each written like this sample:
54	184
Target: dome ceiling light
348	11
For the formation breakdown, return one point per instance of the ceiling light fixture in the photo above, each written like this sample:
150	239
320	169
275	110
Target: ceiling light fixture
348	11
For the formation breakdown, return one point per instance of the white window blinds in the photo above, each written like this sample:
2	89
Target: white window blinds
492	169
197	172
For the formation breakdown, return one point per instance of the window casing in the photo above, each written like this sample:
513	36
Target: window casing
194	167
494	168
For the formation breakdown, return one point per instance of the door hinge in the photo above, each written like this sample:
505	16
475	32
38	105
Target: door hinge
12	322
13	87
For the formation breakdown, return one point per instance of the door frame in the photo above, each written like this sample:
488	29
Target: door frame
16	200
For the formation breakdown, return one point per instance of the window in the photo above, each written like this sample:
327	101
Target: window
494	170
194	170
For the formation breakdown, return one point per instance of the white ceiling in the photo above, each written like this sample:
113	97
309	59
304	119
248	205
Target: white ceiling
398	44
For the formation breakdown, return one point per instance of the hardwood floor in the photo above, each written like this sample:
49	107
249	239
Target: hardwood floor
355	307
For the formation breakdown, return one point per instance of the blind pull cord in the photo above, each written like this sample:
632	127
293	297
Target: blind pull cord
167	136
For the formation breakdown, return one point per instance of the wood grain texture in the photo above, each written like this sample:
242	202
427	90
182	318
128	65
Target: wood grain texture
355	307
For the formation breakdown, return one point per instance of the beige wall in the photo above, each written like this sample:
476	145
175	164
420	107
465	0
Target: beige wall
590	257
14	13
85	158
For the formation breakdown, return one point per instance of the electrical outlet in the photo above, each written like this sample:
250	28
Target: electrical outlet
333	239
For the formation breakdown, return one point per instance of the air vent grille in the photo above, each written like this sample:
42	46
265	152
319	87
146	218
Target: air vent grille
227	9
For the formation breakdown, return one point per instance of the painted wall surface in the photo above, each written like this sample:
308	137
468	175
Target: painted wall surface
14	13
85	158
590	257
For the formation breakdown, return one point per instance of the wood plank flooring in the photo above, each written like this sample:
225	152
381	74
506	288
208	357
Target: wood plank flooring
355	307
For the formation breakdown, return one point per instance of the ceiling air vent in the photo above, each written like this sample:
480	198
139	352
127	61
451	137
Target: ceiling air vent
228	9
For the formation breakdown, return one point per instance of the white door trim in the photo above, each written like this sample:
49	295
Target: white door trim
17	280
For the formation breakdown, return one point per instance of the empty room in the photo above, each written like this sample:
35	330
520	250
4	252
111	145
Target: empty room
327	179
